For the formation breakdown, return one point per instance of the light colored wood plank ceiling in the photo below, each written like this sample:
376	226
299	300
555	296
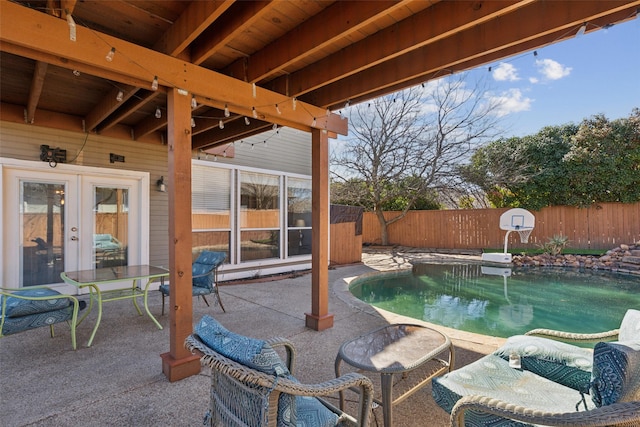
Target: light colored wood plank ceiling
323	53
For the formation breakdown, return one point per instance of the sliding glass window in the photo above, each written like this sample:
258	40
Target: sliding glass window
211	209
259	216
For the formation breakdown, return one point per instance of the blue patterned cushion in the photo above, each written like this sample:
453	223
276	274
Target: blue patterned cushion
254	353
14	325
630	326
491	376
559	362
616	372
17	307
312	413
206	262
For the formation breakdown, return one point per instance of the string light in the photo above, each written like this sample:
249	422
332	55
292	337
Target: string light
194	103
253	89
328	112
274	127
76	73
193	122
246	121
158	113
72	26
294	101
110	55
120	96
254	112
183	92
221	124
313	123
226	110
154	83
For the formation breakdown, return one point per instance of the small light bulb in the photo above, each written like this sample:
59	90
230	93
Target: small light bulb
110	55
72	27
226	111
120	96
294	101
254	112
278	109
158	113
194	103
253	89
313	123
274	127
154	83
76	73
328	112
224	153
221	124
193	122
246	121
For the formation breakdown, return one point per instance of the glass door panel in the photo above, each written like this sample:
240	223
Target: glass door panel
111	227
42	221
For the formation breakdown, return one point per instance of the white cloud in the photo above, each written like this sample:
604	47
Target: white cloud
551	69
511	101
505	72
533	80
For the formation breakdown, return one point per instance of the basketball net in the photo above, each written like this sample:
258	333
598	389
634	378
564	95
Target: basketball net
524	234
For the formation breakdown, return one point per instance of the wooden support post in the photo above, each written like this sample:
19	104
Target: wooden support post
179	363
319	318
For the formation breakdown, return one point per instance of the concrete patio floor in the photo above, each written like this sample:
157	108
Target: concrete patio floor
119	380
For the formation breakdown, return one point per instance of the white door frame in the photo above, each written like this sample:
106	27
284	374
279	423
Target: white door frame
87	179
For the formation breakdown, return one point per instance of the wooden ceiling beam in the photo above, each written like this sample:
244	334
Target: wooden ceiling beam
319	32
142	99
244	14
198	16
40	34
108	105
37	82
235	131
428	26
536	25
149	125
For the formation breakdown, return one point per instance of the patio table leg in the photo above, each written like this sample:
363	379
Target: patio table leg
386	384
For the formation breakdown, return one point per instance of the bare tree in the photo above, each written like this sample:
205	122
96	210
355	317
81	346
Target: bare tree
407	144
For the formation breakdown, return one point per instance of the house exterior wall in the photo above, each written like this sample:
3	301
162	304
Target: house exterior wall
285	151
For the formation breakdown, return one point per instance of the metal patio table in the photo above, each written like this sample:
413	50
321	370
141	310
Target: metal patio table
92	279
406	349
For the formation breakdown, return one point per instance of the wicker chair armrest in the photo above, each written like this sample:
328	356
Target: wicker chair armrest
289	348
618	414
569	336
240	372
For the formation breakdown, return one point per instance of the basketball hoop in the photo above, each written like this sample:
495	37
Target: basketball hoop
524	235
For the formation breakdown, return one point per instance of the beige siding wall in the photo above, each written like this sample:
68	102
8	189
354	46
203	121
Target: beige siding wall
23	142
287	150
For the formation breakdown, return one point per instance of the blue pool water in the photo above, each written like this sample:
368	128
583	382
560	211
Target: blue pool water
500	301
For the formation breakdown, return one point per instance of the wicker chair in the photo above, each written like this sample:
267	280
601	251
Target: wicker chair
533	380
262	391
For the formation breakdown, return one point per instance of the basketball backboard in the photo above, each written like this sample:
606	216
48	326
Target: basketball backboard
517	219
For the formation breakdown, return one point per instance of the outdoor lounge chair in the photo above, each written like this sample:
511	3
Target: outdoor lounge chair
33	307
252	386
533	381
204	277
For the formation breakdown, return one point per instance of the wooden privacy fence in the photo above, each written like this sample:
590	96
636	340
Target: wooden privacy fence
602	226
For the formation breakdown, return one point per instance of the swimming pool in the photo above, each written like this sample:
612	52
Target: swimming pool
501	301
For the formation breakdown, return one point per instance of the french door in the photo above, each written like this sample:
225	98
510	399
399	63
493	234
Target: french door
71	218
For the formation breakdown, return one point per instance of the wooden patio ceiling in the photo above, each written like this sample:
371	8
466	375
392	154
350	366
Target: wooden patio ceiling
259	59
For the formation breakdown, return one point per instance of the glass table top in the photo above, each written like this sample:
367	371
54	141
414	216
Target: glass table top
113	274
394	348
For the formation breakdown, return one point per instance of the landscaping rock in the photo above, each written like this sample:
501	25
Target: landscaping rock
624	258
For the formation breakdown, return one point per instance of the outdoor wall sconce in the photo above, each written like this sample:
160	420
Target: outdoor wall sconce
161	185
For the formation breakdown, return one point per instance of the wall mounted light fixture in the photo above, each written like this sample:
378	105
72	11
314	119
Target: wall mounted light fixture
162	187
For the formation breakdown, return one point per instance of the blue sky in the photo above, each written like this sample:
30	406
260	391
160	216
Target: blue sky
594	73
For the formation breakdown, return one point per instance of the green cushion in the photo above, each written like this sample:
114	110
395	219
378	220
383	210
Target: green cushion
616	372
18	307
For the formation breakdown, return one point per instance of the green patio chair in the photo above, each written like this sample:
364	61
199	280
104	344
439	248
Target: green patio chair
204	277
36	306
